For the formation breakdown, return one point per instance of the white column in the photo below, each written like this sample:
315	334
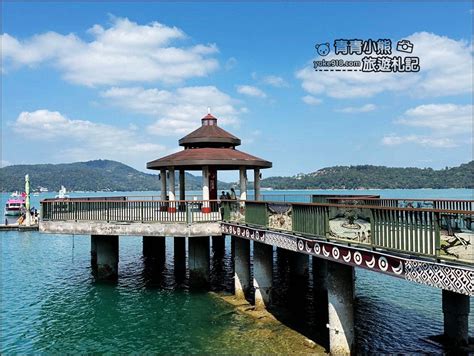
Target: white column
243	183
256	183
241	267
205	190
171	191
163	184
262	273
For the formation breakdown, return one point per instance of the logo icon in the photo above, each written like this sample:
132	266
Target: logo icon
322	49
405	46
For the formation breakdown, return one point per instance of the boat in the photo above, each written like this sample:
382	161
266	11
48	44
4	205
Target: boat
14	206
43	190
62	193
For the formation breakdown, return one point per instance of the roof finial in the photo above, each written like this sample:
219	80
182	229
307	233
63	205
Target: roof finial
208	109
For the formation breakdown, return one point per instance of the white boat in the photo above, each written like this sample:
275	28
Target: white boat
43	190
62	193
14	206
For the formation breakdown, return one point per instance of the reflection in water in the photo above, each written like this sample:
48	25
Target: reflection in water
50	303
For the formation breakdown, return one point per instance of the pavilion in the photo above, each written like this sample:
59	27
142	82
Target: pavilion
208	149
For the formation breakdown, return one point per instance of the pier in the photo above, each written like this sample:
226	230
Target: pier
423	241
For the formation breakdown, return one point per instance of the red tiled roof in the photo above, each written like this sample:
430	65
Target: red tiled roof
209	133
224	158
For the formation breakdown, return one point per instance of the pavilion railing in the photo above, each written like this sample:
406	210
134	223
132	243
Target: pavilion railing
430	232
120	210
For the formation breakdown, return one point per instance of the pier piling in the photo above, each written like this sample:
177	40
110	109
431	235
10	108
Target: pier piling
340	284
106	256
179	246
456	318
262	273
241	267
199	261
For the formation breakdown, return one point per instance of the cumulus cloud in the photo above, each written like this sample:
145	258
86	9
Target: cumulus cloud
251	91
311	100
123	52
275	81
442	125
178	111
83	139
356	109
445	69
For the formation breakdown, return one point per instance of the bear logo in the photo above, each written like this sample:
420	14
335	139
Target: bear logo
322	49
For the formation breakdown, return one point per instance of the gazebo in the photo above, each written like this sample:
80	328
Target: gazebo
208	149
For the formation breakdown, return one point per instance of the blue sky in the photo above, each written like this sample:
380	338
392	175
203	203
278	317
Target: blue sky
125	81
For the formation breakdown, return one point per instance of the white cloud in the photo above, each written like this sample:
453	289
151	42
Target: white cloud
176	112
251	91
83	140
275	81
124	52
443	125
445	69
356	109
311	100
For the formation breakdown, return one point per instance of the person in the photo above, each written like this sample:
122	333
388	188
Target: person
232	194
227	196
223	196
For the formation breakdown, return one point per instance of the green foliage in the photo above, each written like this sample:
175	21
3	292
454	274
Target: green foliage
99	175
377	177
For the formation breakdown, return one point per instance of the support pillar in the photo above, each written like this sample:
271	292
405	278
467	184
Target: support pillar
107	252
256	183
179	258
171	192
320	298
241	267
340	285
163	184
262	273
456	318
155	247
243	183
218	246
199	261
299	265
206	208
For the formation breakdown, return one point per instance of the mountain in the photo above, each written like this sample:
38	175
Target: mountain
95	175
110	175
377	177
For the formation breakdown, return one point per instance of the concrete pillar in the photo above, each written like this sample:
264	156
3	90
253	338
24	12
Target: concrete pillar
155	247
94	253
456	318
241	267
171	192
256	183
179	258
107	250
206	208
218	246
262	273
320	298
243	183
163	184
199	261
340	285
182	186
298	265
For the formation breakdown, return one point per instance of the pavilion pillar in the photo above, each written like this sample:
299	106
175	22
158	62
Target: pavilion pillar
206	208
171	191
456	318
256	183
163	184
182	186
243	183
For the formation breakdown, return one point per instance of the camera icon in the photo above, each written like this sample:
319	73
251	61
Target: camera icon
405	46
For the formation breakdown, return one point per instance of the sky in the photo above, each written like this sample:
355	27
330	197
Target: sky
125	81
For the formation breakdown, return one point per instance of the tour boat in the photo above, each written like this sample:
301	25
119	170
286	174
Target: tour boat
14	206
62	193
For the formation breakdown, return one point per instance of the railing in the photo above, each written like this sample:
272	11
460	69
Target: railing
119	210
430	232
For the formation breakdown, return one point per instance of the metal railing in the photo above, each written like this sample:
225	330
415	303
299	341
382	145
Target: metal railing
430	232
120	210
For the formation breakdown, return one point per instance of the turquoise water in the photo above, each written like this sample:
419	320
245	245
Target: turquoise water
50	302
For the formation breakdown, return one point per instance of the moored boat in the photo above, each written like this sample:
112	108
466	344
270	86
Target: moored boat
14	206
